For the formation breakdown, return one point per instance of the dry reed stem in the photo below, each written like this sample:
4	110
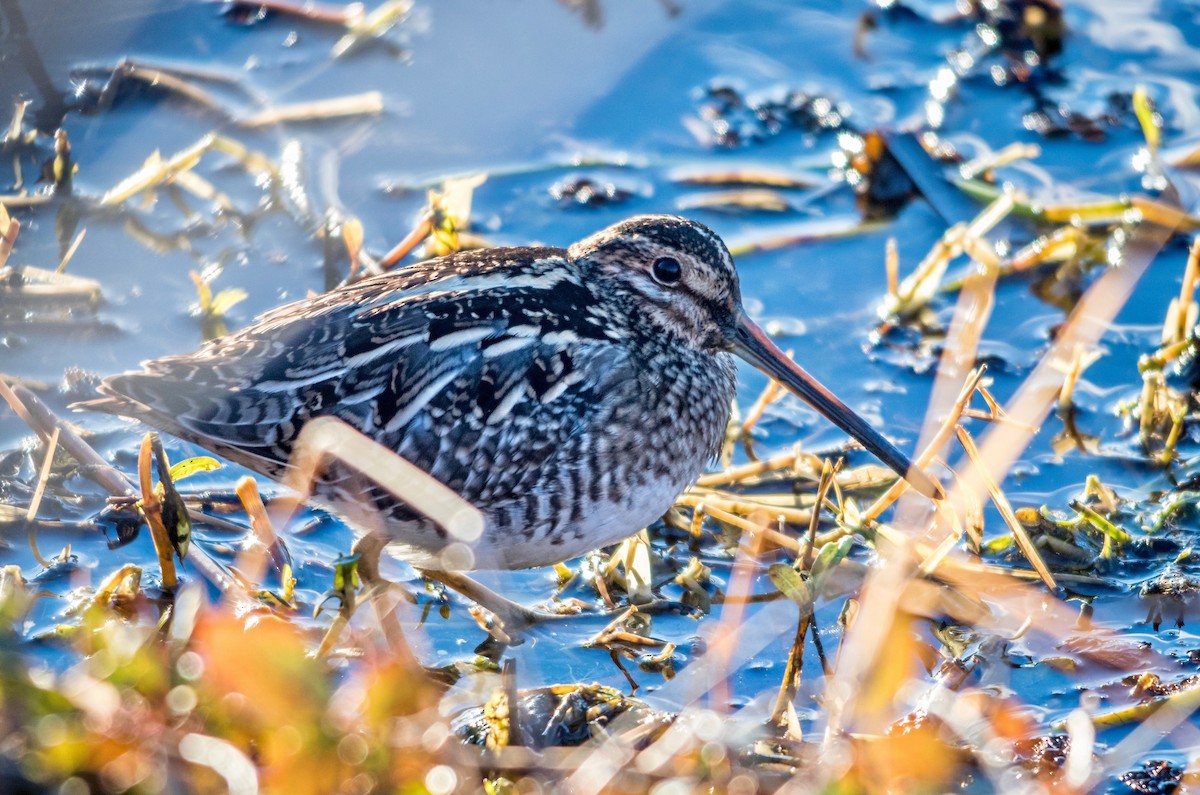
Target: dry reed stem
369	103
828	472
779	461
999	451
332	635
371	25
1002	505
930	563
810	231
36	501
791	673
1060	244
725	637
767	533
352	238
66	258
156	171
992	160
771	392
1181	316
43	422
388	618
413	239
929	452
1079	362
713	502
1156	213
329	438
165	80
252	561
9	229
152	511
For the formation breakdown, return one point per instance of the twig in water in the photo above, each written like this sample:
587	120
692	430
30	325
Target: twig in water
35	503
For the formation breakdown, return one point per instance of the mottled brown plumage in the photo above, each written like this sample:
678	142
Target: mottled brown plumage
569	394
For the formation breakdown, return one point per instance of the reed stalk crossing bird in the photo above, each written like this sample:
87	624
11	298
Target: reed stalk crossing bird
569	394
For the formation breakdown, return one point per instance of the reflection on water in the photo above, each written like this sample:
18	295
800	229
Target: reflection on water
583	114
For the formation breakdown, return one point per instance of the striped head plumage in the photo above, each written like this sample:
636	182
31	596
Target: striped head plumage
673	275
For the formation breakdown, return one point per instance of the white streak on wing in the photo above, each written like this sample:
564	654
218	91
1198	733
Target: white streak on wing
561	386
465	336
488	281
359	397
506	345
560	338
384	350
420	400
336	369
510	399
525	332
292	384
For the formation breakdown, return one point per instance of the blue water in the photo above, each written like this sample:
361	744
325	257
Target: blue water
524	89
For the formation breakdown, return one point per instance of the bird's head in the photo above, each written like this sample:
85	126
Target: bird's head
678	275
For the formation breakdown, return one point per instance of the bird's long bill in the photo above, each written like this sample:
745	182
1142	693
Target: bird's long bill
753	345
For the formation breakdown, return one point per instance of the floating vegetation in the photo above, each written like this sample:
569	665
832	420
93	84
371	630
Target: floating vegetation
586	192
729	118
794	622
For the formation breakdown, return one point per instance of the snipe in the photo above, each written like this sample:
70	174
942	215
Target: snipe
570	394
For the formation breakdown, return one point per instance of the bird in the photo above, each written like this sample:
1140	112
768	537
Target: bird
569	394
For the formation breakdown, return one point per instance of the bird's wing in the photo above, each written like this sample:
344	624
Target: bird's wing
427	363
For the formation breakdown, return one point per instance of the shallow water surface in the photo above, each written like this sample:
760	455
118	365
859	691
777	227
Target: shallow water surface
535	96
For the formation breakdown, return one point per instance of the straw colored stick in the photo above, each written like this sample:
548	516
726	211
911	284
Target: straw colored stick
62	263
999	451
413	239
253	559
744	506
36	502
327	437
769	394
9	228
42	421
891	260
152	510
366	104
828	472
785	460
1001	502
929	453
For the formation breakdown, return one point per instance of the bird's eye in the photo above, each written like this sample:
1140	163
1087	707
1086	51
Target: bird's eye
667	270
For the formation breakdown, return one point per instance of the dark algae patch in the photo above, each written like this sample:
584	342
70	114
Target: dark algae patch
975	222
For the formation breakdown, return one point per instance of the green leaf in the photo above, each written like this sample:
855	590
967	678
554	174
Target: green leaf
828	558
191	466
227	299
998	545
345	573
791	585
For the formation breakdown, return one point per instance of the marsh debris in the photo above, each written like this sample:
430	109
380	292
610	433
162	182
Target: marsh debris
1153	777
728	118
554	716
584	191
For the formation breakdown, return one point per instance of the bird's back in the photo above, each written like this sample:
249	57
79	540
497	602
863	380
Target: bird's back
497	372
